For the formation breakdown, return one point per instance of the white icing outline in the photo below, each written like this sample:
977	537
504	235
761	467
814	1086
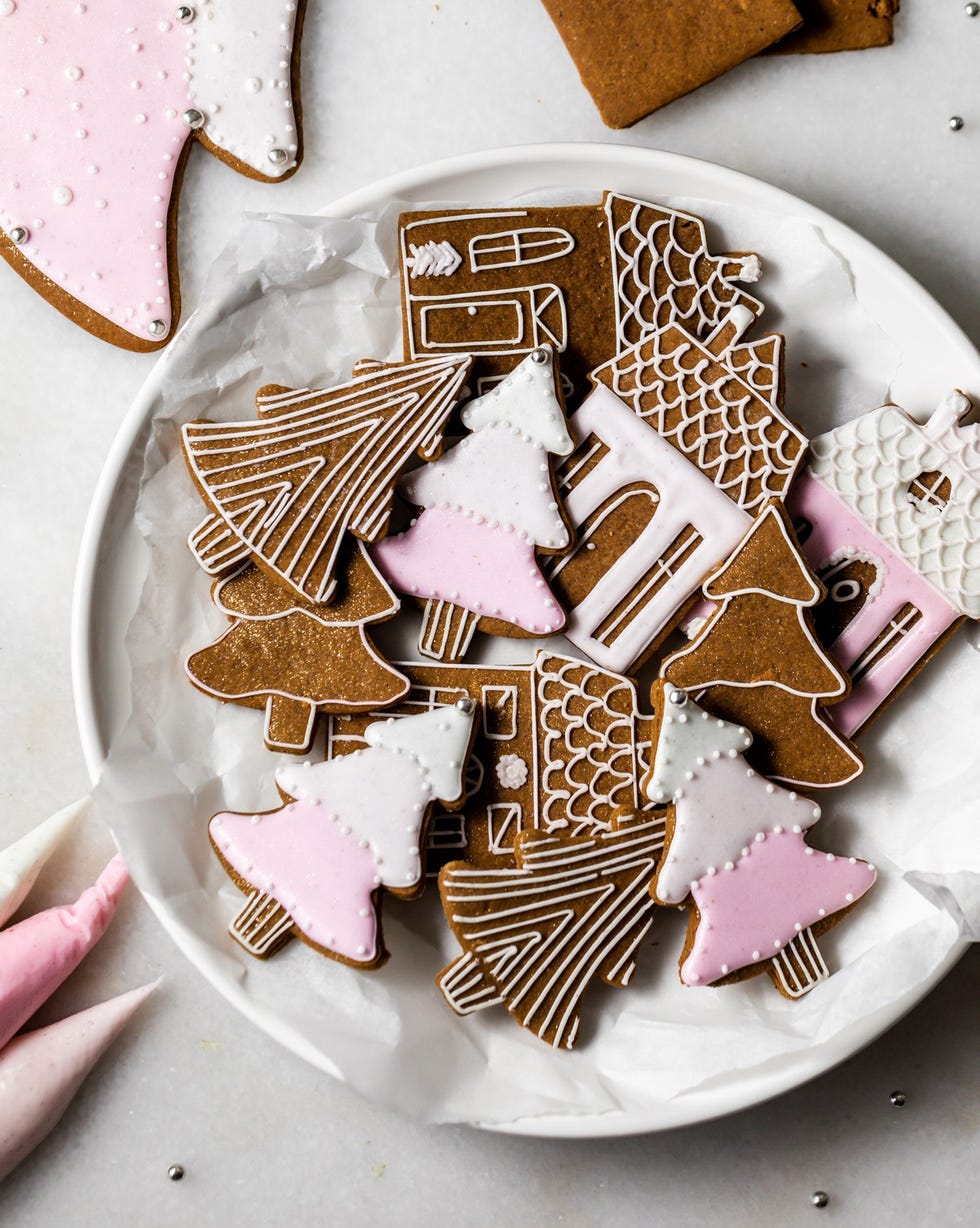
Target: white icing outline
400	410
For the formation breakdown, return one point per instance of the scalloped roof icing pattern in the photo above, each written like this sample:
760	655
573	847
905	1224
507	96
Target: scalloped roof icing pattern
587	743
697	402
664	273
869	464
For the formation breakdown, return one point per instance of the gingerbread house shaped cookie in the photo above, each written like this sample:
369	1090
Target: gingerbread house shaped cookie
559	747
680	446
889	515
589	280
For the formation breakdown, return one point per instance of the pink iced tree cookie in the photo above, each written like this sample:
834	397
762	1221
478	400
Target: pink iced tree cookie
350	827
489	505
100	103
736	854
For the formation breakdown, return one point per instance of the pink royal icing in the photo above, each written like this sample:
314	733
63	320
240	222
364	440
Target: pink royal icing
41	1071
37	954
90	142
836	529
487	569
317	869
97	104
777	888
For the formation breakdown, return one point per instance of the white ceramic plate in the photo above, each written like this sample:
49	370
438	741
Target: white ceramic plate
112	562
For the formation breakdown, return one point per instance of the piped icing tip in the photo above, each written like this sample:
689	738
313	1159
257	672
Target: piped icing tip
38	953
41	1071
23	861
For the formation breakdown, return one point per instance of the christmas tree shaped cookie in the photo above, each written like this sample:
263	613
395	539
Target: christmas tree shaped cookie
535	937
294	658
735	851
285	490
352	827
757	660
101	103
487	507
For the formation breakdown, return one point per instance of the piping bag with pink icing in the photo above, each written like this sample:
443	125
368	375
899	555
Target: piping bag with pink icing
41	1071
37	954
23	861
736	852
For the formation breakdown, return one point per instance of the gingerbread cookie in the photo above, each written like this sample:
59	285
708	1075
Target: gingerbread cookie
101	108
590	280
283	491
757	661
635	56
841	25
535	937
887	516
295	659
559	747
488	507
22	861
679	447
735	851
351	828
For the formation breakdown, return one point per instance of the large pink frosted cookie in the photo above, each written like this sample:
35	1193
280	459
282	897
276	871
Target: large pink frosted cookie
37	954
99	107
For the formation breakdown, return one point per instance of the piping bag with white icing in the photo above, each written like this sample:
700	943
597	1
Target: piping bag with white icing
41	1071
37	954
23	861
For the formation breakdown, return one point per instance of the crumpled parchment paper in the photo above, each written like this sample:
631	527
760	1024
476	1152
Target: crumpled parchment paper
296	300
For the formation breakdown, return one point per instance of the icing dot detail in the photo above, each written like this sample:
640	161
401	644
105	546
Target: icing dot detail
73	72
62	195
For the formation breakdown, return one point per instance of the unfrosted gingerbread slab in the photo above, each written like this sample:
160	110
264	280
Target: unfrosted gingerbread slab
841	25
635	56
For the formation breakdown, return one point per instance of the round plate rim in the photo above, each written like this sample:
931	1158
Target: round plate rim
694	1107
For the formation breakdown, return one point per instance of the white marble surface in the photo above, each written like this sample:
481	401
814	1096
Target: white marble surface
388	85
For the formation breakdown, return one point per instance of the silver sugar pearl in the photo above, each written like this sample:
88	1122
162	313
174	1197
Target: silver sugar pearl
156	328
897	1099
954	123
971	9
820	1198
193	118
176	1172
185	14
278	157
678	697
540	355
19	235
465	705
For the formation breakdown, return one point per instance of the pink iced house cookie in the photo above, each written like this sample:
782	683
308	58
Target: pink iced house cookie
888	513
